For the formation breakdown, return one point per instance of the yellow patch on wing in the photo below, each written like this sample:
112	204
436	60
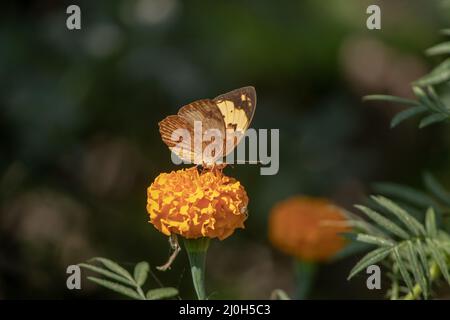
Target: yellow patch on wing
233	118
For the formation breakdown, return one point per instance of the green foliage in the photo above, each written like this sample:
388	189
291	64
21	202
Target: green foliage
416	253
118	279
417	201
161	293
428	103
442	48
279	294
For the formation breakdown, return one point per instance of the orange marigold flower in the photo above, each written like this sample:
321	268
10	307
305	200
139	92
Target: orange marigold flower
196	205
307	228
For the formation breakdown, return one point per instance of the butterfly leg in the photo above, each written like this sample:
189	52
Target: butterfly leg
173	241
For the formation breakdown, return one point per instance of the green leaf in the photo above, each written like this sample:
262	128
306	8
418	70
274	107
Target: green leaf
439	258
369	259
445	32
113	266
279	294
359	225
430	223
403	269
406	114
162	293
383	222
423	258
408	220
443	241
437	101
141	272
422	95
405	193
367	238
394	291
436	188
106	273
382	97
418	214
116	287
444	246
432	119
441	48
443	66
416	268
434	77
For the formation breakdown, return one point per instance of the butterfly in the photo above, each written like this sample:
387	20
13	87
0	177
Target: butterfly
205	131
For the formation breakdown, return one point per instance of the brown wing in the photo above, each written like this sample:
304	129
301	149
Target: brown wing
183	143
237	108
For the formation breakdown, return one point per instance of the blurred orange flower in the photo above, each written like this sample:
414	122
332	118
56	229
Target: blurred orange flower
307	228
196	205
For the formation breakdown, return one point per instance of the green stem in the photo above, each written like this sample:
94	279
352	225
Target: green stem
304	273
196	250
417	289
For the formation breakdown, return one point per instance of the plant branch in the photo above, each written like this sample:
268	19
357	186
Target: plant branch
417	290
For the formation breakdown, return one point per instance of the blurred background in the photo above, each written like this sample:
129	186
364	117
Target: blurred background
80	142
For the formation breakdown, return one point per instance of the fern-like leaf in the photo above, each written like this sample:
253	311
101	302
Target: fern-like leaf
428	102
415	254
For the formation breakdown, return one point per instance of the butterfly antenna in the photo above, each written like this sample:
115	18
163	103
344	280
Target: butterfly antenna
248	162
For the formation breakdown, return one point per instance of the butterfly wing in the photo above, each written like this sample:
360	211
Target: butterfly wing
237	108
183	143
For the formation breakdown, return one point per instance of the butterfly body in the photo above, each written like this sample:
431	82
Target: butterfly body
205	131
